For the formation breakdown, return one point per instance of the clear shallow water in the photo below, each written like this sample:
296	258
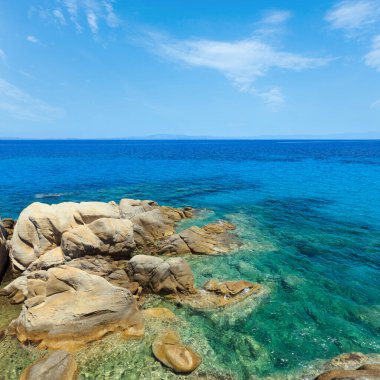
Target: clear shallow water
307	212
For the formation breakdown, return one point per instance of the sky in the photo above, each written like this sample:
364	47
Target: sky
114	69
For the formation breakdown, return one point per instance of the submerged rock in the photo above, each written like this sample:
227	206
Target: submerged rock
211	239
169	350
159	313
66	307
359	374
220	294
60	365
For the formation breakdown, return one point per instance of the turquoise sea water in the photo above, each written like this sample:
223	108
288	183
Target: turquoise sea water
308	213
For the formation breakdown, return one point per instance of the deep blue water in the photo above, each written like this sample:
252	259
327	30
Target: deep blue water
307	211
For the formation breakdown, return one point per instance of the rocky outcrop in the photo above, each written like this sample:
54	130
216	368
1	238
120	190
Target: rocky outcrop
353	365
4	256
159	313
90	228
219	294
59	365
211	239
158	276
169	350
8	224
66	307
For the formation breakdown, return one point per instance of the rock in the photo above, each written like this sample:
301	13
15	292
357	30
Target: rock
169	350
66	307
40	227
59	365
348	360
89	228
219	294
159	313
8	224
108	236
231	288
370	367
159	276
4	256
17	290
211	239
341	374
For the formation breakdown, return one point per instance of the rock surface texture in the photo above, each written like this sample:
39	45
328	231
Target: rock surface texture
60	365
66	307
169	350
4	257
47	235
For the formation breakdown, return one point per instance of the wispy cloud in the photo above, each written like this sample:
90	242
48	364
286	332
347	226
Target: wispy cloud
375	104
33	39
241	61
3	57
276	17
80	13
372	59
21	105
352	16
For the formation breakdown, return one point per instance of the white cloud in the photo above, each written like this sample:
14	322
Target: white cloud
354	15
277	17
57	13
375	104
372	59
80	13
241	61
20	105
2	55
33	40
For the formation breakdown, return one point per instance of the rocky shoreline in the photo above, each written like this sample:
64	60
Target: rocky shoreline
82	271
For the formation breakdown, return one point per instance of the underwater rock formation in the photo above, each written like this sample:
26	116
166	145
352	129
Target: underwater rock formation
169	350
66	307
59	365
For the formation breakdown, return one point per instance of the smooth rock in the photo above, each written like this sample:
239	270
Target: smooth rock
59	365
66	307
169	350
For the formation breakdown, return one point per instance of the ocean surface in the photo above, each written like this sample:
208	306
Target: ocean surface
307	212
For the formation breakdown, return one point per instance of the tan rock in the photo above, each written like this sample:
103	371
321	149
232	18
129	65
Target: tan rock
211	239
67	307
159	313
59	365
169	350
113	237
159	276
341	374
349	359
230	288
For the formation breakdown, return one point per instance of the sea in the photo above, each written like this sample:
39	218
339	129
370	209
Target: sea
307	215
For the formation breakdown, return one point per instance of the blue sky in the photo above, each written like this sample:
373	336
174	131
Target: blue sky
102	68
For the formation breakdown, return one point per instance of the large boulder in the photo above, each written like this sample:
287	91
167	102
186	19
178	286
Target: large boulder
211	239
106	236
165	277
66	307
40	227
169	350
59	365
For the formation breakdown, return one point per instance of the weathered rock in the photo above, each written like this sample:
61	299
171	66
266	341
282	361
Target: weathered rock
159	313
8	224
348	360
108	236
342	374
40	227
211	239
219	294
4	256
67	307
159	276
169	350
59	365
